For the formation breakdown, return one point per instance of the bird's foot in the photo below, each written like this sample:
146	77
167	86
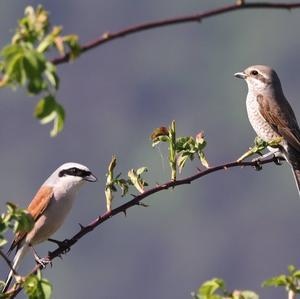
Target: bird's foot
257	164
277	158
64	245
43	261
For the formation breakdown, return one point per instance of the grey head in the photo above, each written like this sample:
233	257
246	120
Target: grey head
261	79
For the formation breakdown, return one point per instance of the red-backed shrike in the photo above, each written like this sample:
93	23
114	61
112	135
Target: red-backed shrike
49	208
271	115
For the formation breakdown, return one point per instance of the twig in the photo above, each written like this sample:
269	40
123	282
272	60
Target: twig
8	262
110	36
136	200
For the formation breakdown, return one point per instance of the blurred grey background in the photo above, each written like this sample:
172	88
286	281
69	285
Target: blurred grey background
241	225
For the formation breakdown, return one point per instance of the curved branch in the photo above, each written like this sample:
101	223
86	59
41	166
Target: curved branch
136	201
110	36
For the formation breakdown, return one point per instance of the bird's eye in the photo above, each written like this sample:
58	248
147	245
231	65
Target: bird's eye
73	171
254	73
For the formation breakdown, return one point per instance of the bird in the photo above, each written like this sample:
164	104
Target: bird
271	115
49	208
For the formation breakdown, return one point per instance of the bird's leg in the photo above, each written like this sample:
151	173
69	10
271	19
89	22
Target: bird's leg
275	152
42	261
61	244
268	154
277	156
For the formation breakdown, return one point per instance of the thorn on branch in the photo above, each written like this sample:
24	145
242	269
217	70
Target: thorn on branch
257	165
141	204
81	226
63	245
125	213
60	256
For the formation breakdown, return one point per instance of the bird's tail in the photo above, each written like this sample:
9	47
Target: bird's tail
296	173
16	262
293	157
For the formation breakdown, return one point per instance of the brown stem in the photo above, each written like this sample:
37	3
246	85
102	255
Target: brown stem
8	262
109	36
137	201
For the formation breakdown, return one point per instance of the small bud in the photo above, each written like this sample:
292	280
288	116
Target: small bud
200	137
162	131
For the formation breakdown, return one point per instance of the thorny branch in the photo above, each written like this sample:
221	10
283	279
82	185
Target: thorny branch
136	201
239	5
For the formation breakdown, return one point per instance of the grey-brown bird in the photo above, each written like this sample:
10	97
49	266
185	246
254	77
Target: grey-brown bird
271	115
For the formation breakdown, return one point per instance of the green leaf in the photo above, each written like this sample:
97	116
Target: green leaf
181	160
49	40
259	146
24	221
123	184
296	274
141	170
45	107
291	269
51	75
248	295
72	43
210	287
109	187
276	281
48	110
25	66
37	288
203	159
59	120
136	179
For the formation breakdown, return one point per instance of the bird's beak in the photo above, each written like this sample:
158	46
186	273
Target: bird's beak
240	75
90	178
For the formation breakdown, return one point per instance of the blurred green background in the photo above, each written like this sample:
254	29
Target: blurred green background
240	225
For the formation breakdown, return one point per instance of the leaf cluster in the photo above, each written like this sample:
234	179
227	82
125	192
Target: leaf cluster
215	289
37	287
114	182
291	281
259	146
181	149
19	220
24	63
16	219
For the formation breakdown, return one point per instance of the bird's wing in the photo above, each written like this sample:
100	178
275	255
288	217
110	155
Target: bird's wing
281	118
36	208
